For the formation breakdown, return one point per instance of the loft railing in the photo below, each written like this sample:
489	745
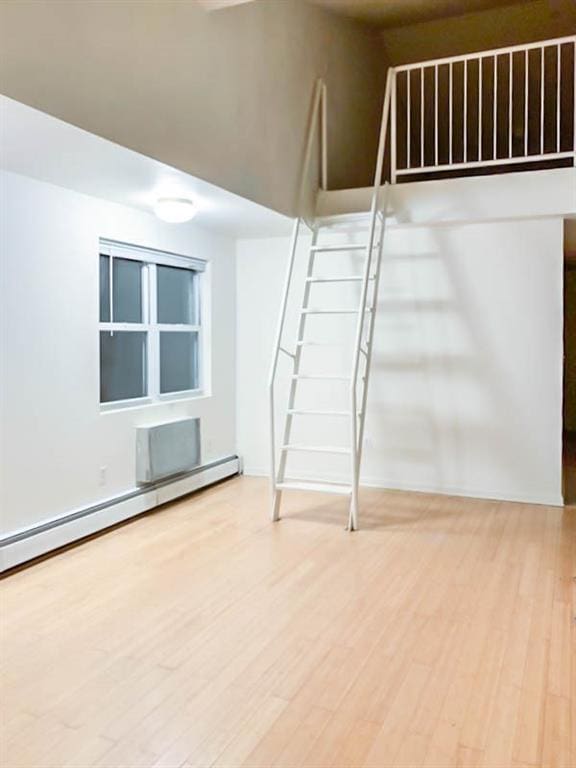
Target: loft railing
507	106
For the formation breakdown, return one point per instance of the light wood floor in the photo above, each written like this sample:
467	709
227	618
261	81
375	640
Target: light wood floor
441	634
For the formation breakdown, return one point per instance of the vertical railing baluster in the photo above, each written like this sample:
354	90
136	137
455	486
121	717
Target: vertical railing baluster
495	111
465	137
408	115
480	62
393	128
542	100
324	134
510	98
450	110
422	117
526	95
558	95
436	114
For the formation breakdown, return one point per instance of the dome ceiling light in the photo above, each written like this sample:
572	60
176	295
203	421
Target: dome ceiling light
175	210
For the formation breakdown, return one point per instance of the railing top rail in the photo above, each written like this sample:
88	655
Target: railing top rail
486	54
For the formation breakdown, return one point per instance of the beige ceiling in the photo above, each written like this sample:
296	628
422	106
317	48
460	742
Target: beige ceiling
393	13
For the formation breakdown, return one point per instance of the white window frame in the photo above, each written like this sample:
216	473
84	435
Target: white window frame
151	259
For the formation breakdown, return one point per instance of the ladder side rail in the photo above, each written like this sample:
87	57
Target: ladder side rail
354	426
317	116
355	368
375	209
318	112
279	475
390	78
324	138
371	325
393	126
277	347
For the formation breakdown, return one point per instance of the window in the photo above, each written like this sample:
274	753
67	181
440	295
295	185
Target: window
150	325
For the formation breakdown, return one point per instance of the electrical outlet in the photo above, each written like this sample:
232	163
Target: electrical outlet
102	475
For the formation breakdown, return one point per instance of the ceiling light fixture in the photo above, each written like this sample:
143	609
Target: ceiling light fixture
175	210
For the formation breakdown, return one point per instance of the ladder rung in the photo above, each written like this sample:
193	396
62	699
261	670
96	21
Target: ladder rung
348	247
311	485
316	449
312	311
304	343
297	412
313	376
337	279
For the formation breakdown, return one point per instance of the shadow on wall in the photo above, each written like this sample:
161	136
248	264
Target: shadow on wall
447	400
464	396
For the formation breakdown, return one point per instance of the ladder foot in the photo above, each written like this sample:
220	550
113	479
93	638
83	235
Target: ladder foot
353	514
275	512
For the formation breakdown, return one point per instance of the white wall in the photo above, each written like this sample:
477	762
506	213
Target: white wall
466	392
53	437
467	389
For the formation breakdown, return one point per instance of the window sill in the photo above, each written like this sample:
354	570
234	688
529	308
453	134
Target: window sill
148	402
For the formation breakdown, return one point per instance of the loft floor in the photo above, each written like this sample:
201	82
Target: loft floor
462	200
441	634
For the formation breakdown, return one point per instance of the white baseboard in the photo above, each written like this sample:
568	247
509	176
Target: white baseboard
20	546
546	499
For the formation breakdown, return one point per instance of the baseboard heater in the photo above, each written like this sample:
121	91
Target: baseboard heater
20	546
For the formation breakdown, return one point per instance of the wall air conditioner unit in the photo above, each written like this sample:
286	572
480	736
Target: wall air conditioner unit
168	449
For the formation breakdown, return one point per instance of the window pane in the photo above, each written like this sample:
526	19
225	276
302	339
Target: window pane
177	296
104	289
178	361
122	365
127	277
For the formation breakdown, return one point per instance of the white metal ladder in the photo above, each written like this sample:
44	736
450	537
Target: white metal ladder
365	314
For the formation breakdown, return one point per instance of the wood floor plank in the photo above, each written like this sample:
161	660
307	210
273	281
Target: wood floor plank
201	636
